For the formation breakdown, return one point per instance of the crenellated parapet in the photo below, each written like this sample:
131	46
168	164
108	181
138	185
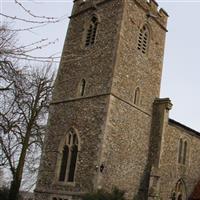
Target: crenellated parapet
151	8
153	11
84	5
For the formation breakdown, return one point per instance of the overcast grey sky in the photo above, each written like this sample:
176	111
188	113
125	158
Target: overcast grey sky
180	80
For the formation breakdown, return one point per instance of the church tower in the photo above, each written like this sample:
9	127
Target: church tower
100	116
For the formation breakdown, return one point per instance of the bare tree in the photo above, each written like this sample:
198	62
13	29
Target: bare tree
24	99
23	110
11	50
31	22
1	178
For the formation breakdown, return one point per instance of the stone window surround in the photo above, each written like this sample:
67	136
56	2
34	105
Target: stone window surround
59	160
137	95
183	151
180	189
143	41
82	87
86	28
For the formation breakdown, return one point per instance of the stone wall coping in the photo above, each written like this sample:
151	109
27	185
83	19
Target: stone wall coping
152	9
160	16
91	5
186	128
153	6
164	101
155	172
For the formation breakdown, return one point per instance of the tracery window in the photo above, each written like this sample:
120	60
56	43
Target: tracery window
143	39
91	32
137	96
69	157
182	154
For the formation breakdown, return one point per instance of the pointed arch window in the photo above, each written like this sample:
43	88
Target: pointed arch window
143	39
180	150
137	96
91	32
69	157
182	154
82	87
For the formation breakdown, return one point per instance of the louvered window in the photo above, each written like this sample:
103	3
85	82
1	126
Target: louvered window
143	40
91	32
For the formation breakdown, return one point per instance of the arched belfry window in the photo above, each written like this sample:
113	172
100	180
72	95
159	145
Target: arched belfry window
82	87
91	32
143	39
137	96
69	157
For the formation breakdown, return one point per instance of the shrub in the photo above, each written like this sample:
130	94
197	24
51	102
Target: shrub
116	194
4	192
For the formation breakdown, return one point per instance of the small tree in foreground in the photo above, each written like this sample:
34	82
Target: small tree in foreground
116	194
24	101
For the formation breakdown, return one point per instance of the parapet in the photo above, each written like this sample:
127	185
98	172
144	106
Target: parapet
152	9
83	5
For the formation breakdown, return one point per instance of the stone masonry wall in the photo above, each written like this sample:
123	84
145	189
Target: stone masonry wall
86	114
95	63
87	118
134	69
125	148
112	130
126	140
170	170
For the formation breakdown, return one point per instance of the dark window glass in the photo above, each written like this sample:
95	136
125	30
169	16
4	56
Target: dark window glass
82	91
185	152
180	151
64	163
69	157
73	163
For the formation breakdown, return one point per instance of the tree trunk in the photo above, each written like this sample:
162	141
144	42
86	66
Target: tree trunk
14	189
17	178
